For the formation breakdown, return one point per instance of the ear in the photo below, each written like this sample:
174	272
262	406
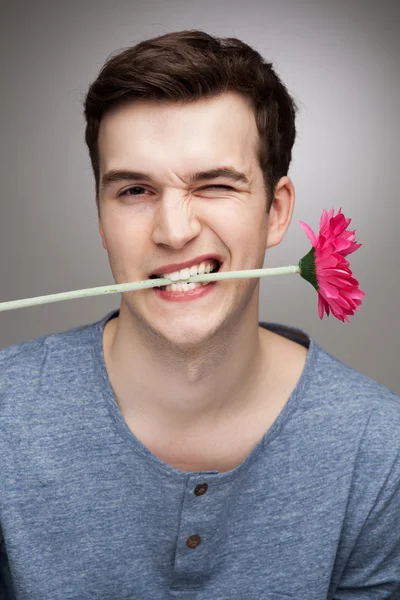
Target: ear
280	213
103	240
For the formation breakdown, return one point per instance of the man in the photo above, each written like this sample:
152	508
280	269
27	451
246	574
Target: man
177	448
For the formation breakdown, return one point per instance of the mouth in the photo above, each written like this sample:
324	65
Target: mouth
179	277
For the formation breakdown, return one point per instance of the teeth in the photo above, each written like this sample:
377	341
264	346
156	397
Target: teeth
183	274
182	286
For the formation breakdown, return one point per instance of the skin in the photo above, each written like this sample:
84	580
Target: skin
183	371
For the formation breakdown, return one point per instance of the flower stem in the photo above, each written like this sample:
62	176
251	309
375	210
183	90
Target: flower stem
147	283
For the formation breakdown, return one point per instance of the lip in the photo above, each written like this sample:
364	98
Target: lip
189	263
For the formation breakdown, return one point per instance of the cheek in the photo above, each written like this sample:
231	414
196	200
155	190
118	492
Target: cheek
239	226
125	242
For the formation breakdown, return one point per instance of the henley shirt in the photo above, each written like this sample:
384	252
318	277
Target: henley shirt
87	511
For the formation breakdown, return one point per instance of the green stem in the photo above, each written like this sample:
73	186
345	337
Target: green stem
147	283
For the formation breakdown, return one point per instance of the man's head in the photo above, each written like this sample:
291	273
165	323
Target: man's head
186	66
190	139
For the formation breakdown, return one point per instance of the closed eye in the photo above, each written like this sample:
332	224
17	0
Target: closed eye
225	187
138	187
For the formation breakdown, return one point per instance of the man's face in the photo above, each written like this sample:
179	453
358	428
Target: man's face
149	224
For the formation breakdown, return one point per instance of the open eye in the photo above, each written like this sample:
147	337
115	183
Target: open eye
129	190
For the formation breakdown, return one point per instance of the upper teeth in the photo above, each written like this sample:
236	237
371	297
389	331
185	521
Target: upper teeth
183	274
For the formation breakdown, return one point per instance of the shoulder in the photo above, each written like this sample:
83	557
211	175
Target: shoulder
362	415
333	383
29	364
21	360
349	387
28	354
347	406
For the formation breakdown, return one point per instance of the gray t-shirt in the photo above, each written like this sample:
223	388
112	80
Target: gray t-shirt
88	512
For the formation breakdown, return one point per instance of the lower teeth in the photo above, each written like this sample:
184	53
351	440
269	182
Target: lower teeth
183	287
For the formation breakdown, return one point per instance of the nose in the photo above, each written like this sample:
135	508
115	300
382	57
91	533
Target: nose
175	223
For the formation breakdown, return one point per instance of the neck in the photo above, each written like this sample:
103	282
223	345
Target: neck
176	389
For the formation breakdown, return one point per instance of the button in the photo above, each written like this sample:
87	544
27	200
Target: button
201	489
193	541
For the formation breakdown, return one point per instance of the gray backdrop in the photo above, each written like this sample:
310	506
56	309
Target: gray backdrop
340	60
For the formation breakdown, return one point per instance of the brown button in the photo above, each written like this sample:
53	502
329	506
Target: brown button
193	541
201	489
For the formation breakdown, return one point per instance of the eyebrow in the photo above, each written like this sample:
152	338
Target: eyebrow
116	176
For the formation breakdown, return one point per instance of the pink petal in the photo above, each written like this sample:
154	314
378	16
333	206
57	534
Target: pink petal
322	305
324	221
309	232
325	252
342	262
352	248
346	302
340	272
339	224
327	290
342	244
338	282
337	310
358	294
328	263
349	234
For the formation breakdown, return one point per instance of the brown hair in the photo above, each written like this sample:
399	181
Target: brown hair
186	66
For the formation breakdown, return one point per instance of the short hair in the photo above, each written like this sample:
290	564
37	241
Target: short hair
186	66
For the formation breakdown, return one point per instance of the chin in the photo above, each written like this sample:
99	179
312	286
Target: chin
187	335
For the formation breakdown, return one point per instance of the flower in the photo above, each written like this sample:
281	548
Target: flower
327	269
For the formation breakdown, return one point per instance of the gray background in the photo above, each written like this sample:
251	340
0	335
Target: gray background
340	61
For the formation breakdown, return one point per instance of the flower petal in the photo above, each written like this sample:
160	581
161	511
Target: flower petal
327	290
352	248
310	234
322	305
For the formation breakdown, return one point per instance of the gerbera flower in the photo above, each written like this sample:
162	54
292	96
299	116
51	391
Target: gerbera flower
327	269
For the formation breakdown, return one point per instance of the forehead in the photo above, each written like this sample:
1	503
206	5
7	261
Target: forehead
179	137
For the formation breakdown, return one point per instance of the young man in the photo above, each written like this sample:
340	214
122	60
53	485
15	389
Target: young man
177	448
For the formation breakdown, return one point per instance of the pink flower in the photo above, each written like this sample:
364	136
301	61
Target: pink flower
327	269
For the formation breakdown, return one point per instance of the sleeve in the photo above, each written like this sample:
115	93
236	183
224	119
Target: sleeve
372	571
